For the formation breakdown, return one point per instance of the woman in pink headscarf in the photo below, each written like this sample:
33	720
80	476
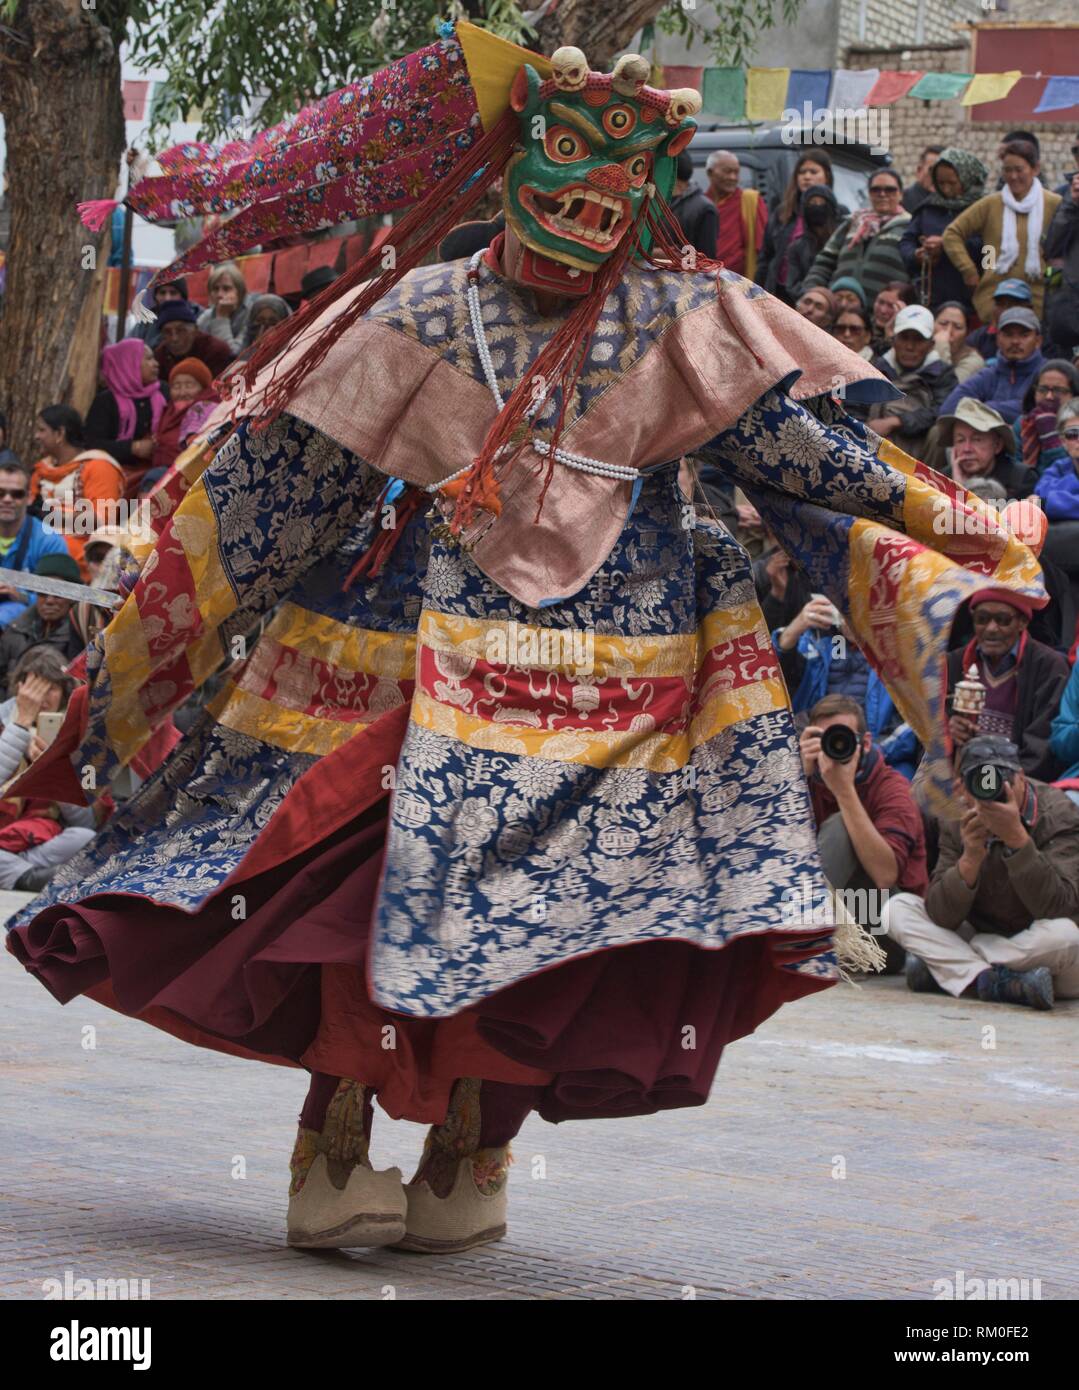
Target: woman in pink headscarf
125	413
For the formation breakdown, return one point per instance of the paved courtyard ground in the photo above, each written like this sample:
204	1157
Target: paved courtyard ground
864	1143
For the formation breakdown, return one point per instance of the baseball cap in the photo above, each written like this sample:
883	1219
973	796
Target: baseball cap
914	317
1027	317
1014	289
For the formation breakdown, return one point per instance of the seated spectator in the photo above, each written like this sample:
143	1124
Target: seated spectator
7	456
915	194
866	244
1003	382
848	294
47	622
1058	487
914	365
70	476
950	338
980	447
192	400
267	311
125	414
958	180
1012	223
23	539
98	546
870	832
786	224
181	338
895	295
819	656
854	329
227	316
698	221
315	281
819	217
783	588
1037	439
818	307
36	837
999	919
1064	735
1062	251
1024	679
1009	294
166	293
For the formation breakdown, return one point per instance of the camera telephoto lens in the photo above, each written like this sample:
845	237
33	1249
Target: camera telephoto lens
986	781
839	743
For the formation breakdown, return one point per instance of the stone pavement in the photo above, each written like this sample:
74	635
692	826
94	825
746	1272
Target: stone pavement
864	1143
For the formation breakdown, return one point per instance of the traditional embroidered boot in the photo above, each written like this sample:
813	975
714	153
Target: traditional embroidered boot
336	1199
457	1198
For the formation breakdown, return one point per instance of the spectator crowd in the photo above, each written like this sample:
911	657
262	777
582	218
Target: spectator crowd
963	289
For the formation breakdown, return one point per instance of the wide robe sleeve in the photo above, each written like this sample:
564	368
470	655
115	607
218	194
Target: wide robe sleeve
242	532
897	547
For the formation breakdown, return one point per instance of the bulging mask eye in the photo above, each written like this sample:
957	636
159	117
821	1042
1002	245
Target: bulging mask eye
637	168
619	120
564	145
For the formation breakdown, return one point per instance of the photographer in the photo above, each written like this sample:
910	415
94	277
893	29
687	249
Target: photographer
1000	919
871	834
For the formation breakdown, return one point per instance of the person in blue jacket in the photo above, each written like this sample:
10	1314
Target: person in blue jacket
1003	382
818	657
1064	734
1058	488
23	539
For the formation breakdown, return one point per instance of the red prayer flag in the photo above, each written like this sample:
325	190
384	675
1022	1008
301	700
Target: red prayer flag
683	77
289	268
324	253
198	286
135	100
890	86
256	272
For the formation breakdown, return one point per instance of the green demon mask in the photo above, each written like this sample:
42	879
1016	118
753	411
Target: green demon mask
594	147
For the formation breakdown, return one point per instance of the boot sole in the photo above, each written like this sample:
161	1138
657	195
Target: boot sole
369	1229
424	1245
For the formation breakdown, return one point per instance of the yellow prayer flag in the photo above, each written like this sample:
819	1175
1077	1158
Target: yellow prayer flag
989	86
766	93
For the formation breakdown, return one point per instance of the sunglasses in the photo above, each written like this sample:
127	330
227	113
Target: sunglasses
15	493
843	329
889	188
1070	433
1001	619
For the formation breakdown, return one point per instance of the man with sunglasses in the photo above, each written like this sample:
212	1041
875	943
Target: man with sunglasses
1024	680
23	539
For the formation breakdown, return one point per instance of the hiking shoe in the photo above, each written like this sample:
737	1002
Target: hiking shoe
999	985
920	977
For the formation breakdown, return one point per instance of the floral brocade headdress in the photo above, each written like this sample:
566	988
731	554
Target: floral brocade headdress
588	160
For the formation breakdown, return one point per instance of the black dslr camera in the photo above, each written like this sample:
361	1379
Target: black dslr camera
986	781
839	743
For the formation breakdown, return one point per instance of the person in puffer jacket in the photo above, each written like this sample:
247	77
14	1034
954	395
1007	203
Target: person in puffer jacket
1058	488
36	837
1003	382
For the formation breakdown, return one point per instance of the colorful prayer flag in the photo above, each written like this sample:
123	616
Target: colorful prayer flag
724	92
766	93
675	76
941	86
851	87
989	86
1059	94
890	86
135	94
809	88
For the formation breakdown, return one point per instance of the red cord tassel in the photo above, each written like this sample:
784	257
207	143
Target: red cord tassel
371	562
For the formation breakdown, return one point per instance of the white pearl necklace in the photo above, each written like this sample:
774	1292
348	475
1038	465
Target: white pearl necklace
571	460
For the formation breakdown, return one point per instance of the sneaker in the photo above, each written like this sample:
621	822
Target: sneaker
920	977
1034	988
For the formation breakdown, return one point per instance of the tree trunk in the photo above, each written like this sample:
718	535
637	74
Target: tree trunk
60	94
601	28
